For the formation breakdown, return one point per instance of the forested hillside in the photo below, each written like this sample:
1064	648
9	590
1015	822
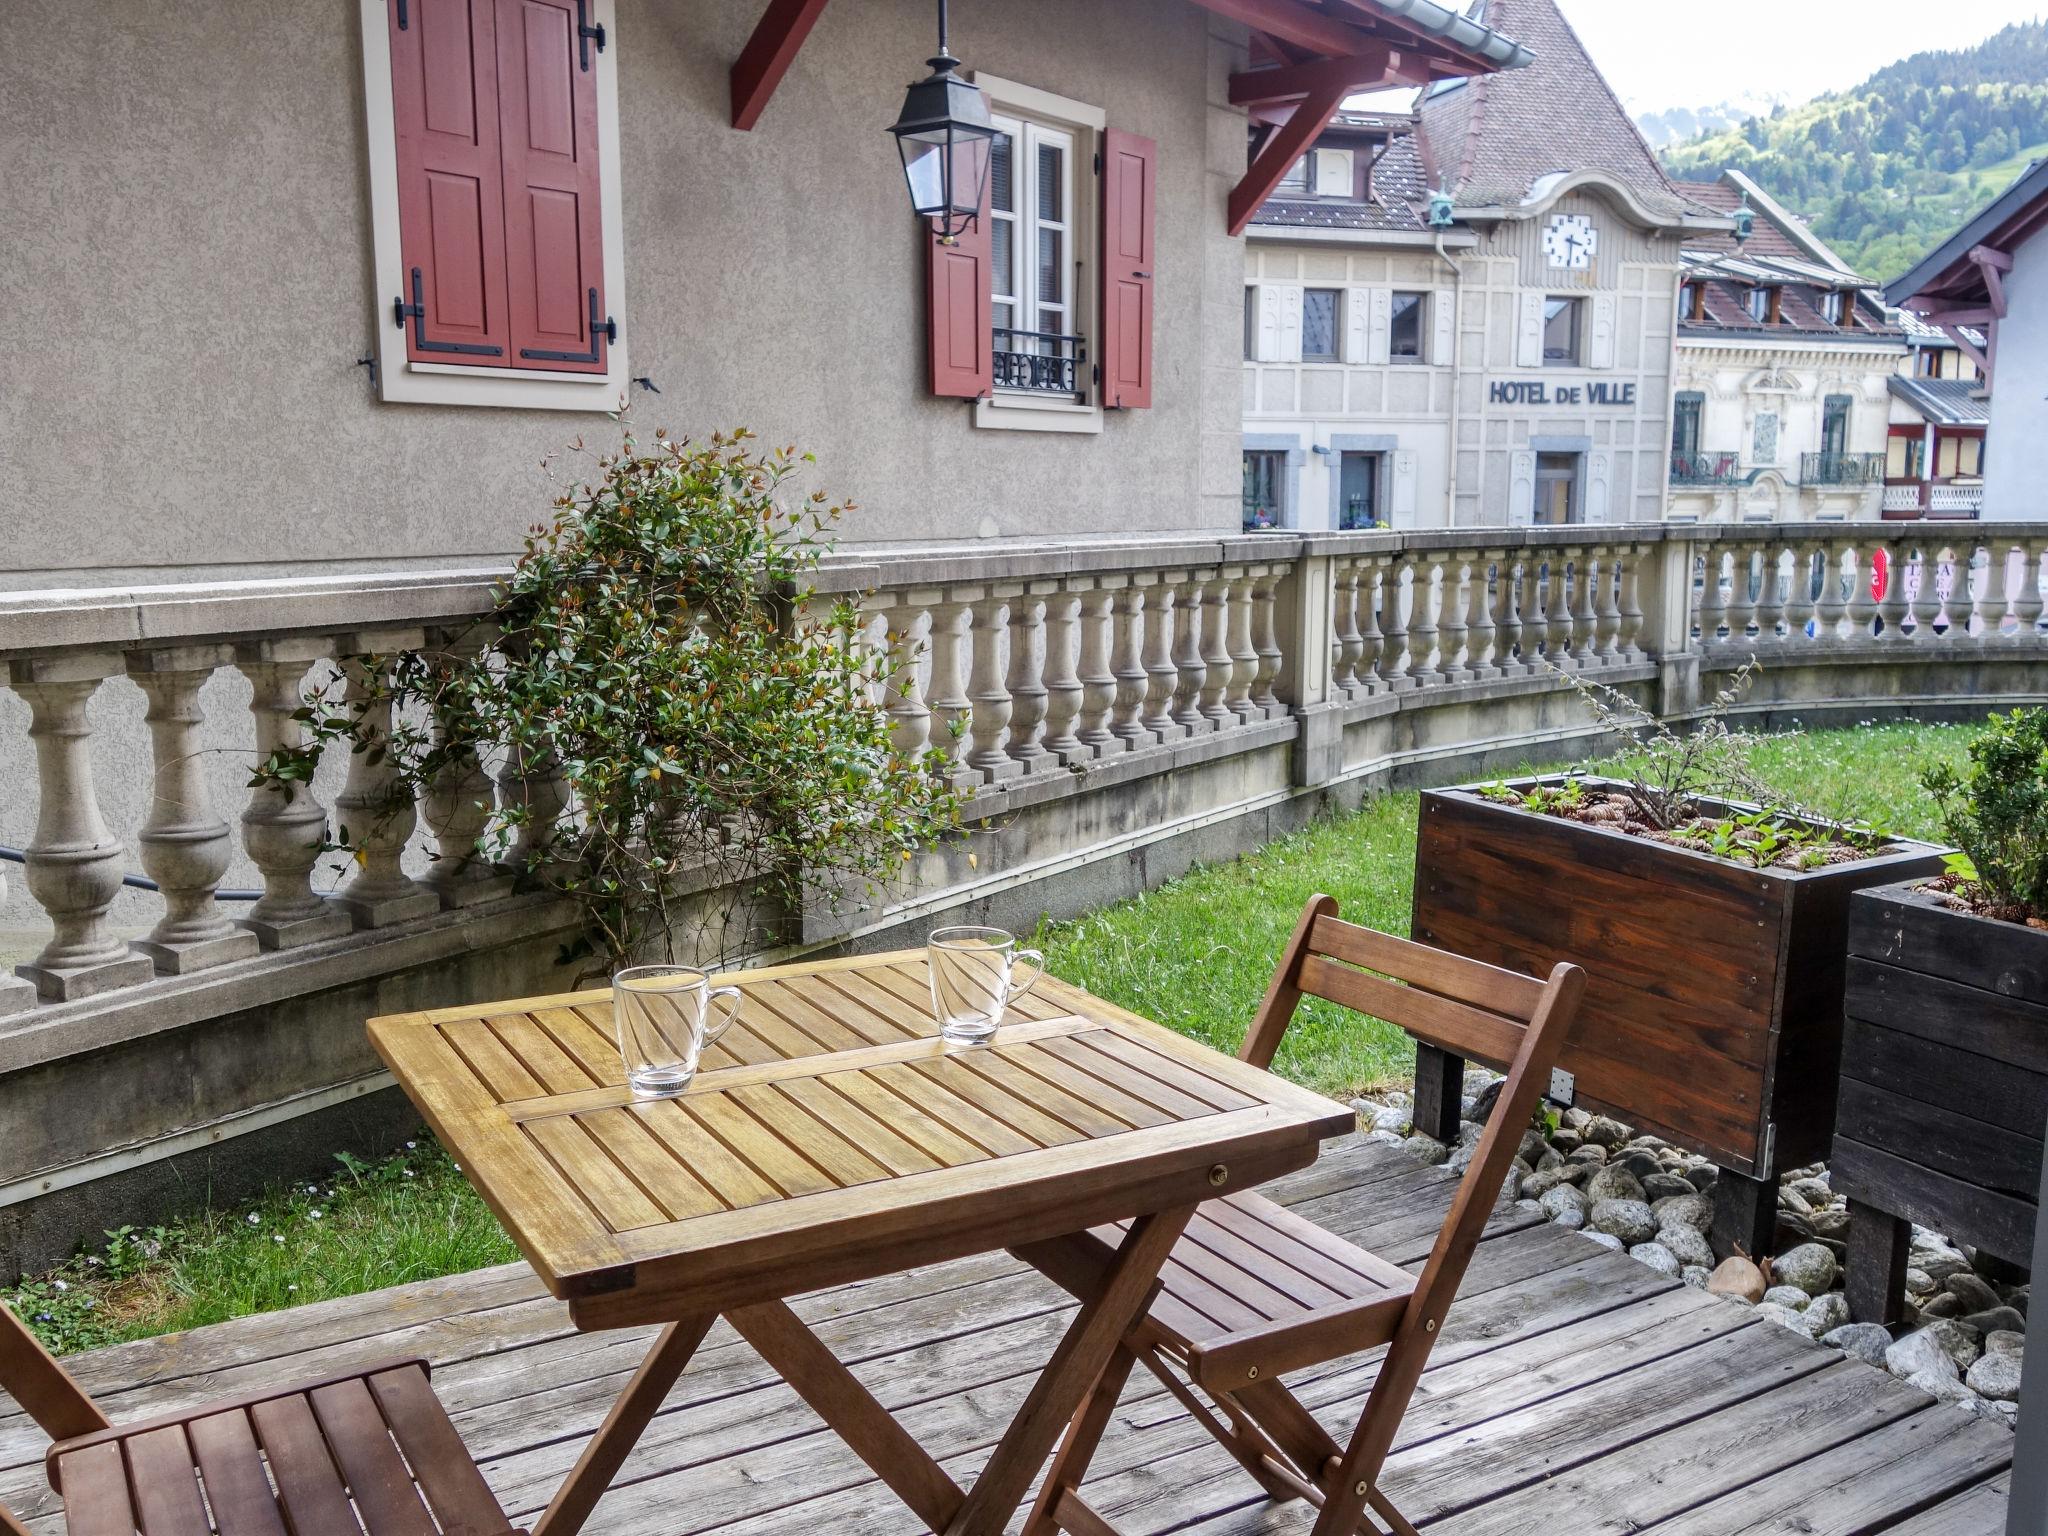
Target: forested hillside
1887	170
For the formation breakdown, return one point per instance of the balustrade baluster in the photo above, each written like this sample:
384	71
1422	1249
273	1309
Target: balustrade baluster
1192	671
910	727
1745	597
284	827
2026	595
988	693
459	804
1244	657
1508	633
1372	643
1453	631
1099	683
1860	600
1770	593
1266	641
1482	637
1394	657
1629	634
16	994
1030	699
1422	619
1587	571
1831	604
1990	605
1063	688
1215	648
1923	598
950	707
376	810
74	864
1133	678
1349	646
185	848
1557	617
1163	675
1607	606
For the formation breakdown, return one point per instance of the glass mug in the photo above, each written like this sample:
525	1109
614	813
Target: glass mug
664	1017
973	973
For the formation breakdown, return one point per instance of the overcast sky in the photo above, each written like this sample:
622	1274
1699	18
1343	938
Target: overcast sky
1660	53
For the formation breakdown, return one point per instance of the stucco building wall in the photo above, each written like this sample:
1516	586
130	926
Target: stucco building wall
2016	443
186	284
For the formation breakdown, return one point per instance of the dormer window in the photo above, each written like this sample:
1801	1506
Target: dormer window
1692	301
1295	182
1333	172
1764	305
1832	307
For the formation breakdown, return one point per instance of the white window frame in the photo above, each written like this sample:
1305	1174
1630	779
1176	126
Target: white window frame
399	378
1032	116
1423	323
1334	172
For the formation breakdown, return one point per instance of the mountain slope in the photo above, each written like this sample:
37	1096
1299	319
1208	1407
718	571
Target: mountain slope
1888	169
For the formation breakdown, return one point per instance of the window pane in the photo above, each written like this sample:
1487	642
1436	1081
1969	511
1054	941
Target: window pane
1051	182
1296	179
1405	339
1251	323
1003	244
1052	287
1002	189
1319	323
1560	331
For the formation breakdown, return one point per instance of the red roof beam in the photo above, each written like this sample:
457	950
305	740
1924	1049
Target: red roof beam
778	36
1992	264
1287	144
1369	70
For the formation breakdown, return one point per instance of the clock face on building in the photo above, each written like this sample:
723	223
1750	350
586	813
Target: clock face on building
1570	241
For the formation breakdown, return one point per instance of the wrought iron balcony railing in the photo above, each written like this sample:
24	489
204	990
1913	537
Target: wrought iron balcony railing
1706	468
1044	362
1841	468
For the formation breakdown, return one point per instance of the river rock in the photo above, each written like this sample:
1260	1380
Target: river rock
1607	1240
1426	1149
1533	1146
1827	1312
1785	1317
1588	1154
1484	1100
1810	1266
1603	1132
1787	1296
1613	1183
1791	1200
1737	1277
1561	1200
1866	1341
1831	1222
2005	1343
1686	1210
1566	1142
1638	1161
1947	1388
1695	1275
1544	1180
1629	1220
1918	1281
1814	1191
1941	1304
1687	1243
1997	1320
1963	1343
1975	1292
1547	1159
1702	1176
1919	1354
1996	1377
1657	1257
1665	1186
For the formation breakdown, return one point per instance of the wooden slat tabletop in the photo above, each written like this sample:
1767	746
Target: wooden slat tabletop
831	1134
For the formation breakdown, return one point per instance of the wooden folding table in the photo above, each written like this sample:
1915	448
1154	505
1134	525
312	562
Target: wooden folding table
832	1137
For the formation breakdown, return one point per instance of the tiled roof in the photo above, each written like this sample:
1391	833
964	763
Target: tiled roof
1493	137
1766	239
1400	198
1945	402
1799	316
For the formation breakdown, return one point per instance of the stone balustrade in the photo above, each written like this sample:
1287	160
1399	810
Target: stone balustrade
1030	668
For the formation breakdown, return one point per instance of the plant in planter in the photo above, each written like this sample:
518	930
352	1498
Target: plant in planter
1944	1088
1710	927
704	728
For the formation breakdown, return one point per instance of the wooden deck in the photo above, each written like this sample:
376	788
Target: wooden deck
1574	1390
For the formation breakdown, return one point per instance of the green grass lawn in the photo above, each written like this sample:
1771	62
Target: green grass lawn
1194	954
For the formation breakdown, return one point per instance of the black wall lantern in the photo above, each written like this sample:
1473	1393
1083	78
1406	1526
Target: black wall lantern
943	134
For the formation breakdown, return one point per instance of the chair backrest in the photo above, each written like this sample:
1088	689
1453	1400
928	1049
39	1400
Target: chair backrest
1459	1005
45	1391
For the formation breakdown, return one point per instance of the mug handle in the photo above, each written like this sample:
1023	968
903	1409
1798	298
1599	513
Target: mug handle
1037	961
730	995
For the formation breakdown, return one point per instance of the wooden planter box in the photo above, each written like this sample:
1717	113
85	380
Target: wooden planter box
1944	1086
1713	1012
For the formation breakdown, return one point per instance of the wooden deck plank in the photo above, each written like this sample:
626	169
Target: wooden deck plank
1572	1388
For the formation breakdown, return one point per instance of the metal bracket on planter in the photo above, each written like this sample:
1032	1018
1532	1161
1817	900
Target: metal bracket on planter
416	312
1562	1087
586	34
608	328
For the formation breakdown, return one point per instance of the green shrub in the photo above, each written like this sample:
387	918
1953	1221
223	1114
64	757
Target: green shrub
1996	812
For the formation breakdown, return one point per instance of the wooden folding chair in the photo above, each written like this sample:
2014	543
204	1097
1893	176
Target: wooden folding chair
369	1453
1253	1290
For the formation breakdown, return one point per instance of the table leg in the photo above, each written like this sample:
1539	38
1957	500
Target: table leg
837	1396
1083	1353
1070	1461
606	1450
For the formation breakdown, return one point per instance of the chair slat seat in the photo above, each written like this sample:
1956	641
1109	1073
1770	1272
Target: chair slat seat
1251	1283
367	1454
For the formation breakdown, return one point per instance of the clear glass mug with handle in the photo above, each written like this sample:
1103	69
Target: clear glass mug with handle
974	980
665	1024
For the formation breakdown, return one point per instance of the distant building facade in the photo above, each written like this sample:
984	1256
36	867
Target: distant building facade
1782	401
1465	316
1986	290
1940	419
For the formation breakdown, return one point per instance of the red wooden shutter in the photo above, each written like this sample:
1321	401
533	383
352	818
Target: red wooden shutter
554	244
962	313
451	218
1130	167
